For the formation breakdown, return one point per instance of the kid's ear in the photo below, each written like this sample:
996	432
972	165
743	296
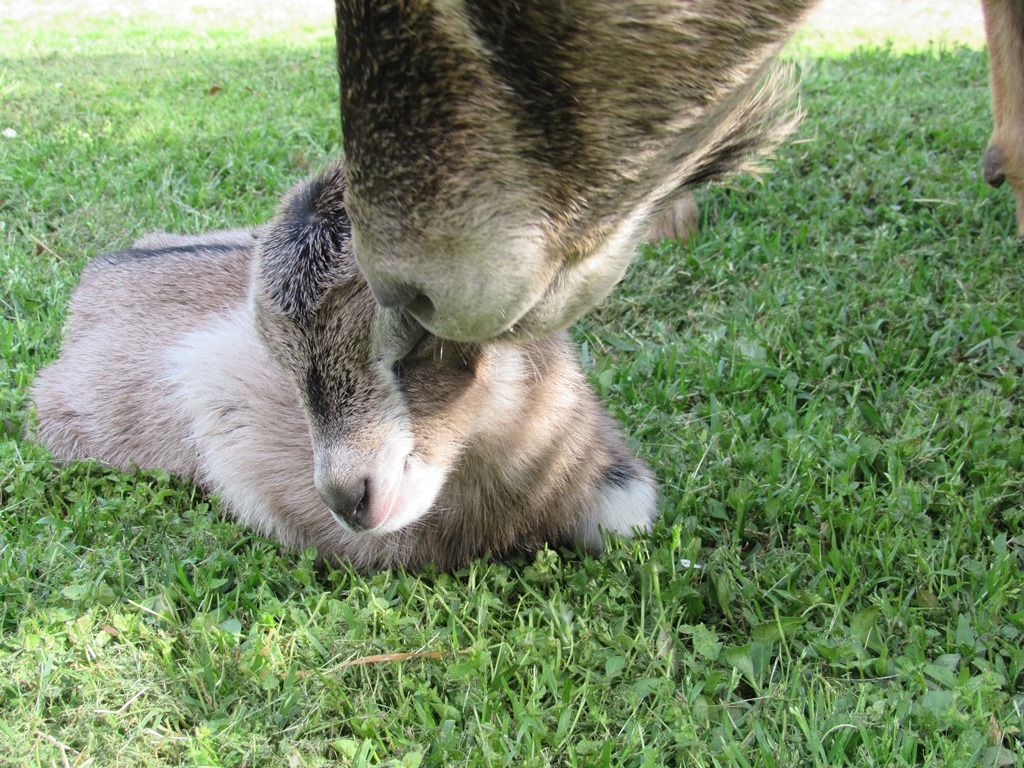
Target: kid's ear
394	334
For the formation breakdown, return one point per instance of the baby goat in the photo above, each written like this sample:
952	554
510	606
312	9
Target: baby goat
257	364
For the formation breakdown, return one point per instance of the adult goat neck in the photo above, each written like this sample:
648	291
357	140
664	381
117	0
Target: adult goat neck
505	158
259	366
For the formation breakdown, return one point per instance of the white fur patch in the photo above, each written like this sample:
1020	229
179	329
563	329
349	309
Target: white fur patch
246	423
624	510
505	375
420	486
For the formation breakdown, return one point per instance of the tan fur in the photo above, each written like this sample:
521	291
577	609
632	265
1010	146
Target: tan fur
1004	158
260	367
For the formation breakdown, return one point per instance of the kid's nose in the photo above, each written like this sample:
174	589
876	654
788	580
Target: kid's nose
350	504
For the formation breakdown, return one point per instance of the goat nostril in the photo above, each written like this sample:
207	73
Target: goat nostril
403	296
393	295
420	307
349	505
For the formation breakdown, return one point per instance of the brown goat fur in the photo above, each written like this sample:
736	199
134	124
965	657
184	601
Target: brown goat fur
532	145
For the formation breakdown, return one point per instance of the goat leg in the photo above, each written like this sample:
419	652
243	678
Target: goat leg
1004	157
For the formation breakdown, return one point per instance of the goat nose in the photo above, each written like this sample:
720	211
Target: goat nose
349	504
403	296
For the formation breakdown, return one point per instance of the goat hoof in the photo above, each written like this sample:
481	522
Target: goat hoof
995	160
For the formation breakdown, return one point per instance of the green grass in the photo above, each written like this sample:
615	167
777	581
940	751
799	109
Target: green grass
828	382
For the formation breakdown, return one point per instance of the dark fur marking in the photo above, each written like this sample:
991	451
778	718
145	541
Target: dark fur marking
314	390
131	255
530	64
329	389
619	475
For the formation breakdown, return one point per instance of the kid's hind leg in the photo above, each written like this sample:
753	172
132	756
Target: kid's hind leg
58	423
1004	157
626	503
677	223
